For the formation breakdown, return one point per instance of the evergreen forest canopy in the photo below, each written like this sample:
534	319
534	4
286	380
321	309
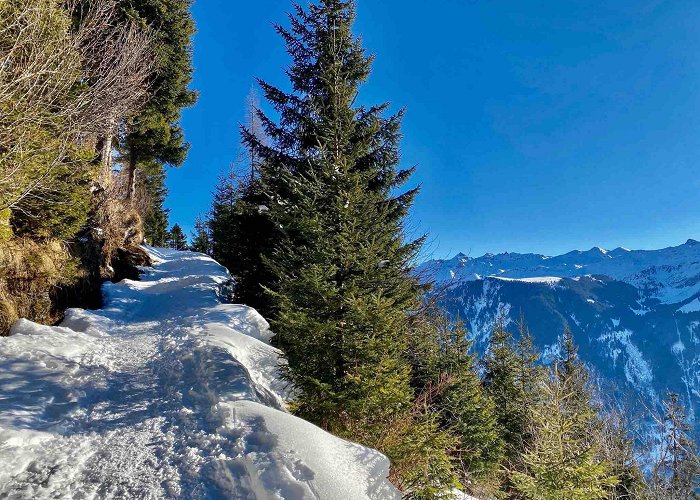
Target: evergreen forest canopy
91	93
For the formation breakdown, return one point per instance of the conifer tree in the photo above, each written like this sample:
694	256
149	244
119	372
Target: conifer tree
220	220
511	380
341	266
676	475
530	373
617	449
255	235
572	368
155	221
562	462
574	375
201	240
154	137
463	404
178	240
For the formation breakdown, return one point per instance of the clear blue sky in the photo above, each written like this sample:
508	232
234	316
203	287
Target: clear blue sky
535	125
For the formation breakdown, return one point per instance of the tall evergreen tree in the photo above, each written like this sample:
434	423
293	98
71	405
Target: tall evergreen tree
511	380
154	137
574	374
443	357
178	240
220	219
155	222
342	285
252	234
617	449
562	462
676	475
201	239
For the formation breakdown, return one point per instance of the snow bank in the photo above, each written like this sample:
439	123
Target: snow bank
165	393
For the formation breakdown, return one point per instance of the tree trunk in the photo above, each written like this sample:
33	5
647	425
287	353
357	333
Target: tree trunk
105	148
131	191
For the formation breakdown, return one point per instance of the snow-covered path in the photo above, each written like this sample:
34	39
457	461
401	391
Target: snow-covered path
165	393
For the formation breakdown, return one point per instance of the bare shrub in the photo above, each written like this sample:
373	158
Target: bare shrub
63	86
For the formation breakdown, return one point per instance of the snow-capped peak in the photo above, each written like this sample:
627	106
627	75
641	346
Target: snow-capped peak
670	274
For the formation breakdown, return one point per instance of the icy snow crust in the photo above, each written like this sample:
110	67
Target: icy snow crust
165	393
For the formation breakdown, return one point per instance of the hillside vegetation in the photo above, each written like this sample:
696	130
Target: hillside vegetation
167	391
90	97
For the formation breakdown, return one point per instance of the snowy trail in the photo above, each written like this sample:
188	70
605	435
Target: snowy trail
165	393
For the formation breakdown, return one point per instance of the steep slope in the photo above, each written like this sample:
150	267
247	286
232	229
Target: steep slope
165	392
635	313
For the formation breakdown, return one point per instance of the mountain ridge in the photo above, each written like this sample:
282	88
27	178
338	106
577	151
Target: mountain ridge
634	313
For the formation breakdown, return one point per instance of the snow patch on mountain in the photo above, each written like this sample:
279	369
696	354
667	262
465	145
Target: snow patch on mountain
692	306
669	275
637	370
487	309
166	392
548	280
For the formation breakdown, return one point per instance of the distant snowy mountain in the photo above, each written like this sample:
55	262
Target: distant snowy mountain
635	313
166	392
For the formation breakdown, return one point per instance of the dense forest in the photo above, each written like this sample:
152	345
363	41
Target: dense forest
313	231
90	97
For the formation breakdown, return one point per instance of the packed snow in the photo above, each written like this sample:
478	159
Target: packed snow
166	392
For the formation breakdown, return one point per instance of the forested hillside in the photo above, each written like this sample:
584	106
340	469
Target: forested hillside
314	235
90	99
170	392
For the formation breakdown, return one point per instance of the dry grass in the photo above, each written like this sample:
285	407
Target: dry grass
39	279
30	272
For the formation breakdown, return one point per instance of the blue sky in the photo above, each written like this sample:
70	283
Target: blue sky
538	126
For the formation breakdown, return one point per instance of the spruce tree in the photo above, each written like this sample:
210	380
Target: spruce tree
618	449
255	235
155	138
178	240
676	475
510	376
341	266
562	462
201	240
574	375
224	239
342	263
465	408
155	222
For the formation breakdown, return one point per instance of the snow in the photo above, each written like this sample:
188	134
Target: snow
637	370
549	280
693	306
166	392
670	275
678	347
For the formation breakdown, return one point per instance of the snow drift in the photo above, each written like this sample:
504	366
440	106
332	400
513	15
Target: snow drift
166	392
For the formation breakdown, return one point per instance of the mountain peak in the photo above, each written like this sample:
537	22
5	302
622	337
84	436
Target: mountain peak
692	242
